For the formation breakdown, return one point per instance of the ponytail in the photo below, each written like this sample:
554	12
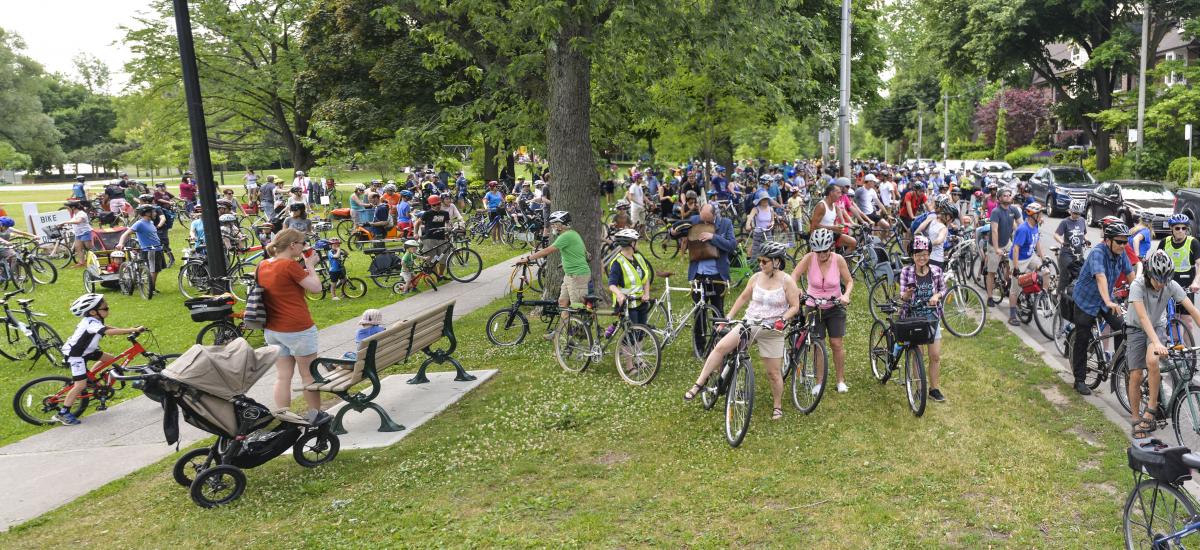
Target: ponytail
284	239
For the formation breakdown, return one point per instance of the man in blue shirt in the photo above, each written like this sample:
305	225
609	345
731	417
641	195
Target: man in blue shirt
1093	296
77	191
150	246
380	218
720	185
1026	256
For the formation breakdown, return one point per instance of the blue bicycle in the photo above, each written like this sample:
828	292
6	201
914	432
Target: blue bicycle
1159	513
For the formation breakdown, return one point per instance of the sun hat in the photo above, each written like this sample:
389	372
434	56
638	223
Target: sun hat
372	317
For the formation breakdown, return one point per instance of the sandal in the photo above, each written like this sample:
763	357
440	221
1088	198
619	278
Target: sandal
1144	425
776	414
693	392
1139	433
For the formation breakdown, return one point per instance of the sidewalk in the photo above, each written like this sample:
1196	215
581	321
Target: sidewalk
127	437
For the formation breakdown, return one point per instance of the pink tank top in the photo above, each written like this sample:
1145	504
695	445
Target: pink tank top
824	285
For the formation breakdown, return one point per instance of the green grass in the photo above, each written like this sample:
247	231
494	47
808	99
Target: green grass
542	457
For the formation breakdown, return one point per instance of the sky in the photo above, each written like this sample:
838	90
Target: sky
54	31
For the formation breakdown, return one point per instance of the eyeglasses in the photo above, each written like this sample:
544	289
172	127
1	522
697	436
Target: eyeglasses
1180	228
1122	243
764	261
824	252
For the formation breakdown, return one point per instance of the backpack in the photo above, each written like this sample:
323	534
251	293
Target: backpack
385	263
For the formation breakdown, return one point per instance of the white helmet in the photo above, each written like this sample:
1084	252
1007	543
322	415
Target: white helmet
1159	265
411	242
227	218
299	172
625	237
560	217
821	240
1077	206
119	254
870	177
83	304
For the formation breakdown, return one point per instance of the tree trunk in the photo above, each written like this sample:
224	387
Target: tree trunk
491	168
575	186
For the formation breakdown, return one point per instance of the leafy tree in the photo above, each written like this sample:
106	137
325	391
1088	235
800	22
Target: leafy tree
93	72
1000	142
83	117
23	125
1026	110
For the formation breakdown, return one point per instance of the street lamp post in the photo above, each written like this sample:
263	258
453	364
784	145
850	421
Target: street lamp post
1141	110
207	189
844	103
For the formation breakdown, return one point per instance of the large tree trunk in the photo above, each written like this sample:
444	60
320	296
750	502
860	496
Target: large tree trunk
491	168
575	186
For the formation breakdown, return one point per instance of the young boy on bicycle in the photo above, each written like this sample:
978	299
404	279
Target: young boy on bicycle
84	346
408	263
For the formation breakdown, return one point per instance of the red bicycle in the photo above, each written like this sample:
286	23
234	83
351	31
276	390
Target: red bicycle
39	399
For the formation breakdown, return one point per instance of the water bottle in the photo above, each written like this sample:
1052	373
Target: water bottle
896	350
608	332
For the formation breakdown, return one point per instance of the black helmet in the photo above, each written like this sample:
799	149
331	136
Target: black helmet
296	206
145	197
222	203
145	209
1116	229
561	217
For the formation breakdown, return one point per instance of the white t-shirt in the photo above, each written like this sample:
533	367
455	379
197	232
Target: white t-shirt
886	190
937	252
86	338
636	196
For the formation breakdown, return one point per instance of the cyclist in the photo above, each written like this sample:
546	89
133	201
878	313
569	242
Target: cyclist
1184	251
266	197
491	202
298	218
392	197
251	184
772	296
431	226
150	247
825	214
574	257
7	234
935	227
404	222
826	271
336	257
1146	323
84	346
1092	296
922	287
629	276
759	220
380	222
77	189
1070	237
1140	235
408	263
1001	221
359	205
1026	255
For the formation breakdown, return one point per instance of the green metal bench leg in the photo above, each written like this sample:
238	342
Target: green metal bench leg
386	424
337	428
461	375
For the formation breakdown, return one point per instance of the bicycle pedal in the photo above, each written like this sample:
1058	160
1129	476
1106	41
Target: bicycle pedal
102	407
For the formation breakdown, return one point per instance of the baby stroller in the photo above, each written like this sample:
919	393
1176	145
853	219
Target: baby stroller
208	383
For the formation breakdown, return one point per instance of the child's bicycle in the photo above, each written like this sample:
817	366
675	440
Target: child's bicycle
16	337
39	399
1159	513
426	273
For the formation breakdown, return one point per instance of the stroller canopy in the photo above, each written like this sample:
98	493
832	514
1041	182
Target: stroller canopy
223	371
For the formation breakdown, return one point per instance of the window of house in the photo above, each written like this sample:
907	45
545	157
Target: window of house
1078	55
1173	77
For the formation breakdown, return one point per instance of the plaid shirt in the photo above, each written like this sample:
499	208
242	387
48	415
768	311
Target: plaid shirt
918	306
1099	260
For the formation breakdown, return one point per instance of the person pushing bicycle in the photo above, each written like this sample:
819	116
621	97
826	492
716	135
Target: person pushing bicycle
84	346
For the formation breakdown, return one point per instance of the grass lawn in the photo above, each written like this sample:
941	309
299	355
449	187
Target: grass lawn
542	457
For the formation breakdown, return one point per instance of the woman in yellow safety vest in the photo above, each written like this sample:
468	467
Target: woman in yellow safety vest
629	276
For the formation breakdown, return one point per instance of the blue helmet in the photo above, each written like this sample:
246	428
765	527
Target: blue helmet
1177	219
6	221
406	194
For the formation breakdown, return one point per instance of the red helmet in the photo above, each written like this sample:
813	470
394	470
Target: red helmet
435	200
492	183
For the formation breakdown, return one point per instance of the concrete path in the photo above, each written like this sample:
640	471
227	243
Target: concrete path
128	436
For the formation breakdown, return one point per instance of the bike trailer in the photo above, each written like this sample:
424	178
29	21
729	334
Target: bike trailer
385	263
250	208
210	308
1159	461
915	330
1030	282
107	239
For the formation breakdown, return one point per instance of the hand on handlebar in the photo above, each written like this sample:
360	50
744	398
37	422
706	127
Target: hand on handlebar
1159	349
779	324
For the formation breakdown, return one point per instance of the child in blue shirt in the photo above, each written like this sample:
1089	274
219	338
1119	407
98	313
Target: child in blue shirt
336	257
370	325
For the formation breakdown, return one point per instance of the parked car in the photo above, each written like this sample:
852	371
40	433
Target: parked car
1012	177
1187	201
991	167
1058	185
1127	199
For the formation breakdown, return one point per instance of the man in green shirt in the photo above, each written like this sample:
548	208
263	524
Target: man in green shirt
576	271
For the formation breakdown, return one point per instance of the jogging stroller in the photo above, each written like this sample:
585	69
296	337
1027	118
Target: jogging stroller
208	383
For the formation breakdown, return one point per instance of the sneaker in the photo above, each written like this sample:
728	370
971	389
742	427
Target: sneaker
842	387
1082	388
936	395
1014	321
992	303
816	390
336	298
66	418
316	418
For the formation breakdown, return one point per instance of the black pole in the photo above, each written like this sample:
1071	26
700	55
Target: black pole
207	193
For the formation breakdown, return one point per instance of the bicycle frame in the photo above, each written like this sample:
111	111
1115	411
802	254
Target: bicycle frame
672	329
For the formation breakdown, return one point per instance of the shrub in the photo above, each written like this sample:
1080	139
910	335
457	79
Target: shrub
982	154
1000	145
1021	156
1119	167
1177	171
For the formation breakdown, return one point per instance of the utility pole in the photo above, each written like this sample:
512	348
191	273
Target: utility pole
920	130
844	103
1141	112
204	176
945	128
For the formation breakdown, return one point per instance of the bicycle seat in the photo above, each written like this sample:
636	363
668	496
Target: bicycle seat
663	274
25	302
887	308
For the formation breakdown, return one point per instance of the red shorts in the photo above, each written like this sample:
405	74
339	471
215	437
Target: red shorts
405	228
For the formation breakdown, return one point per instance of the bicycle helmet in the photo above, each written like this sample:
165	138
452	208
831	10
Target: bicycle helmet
625	237
821	240
295	189
918	186
979	194
1108	220
222	203
411	242
1033	208
389	188
83	304
6	221
774	250
406	194
296	207
227	218
161	184
920	244
117	254
622	205
80	179
435	200
335	240
510	198
492	184
299	172
145	197
197	209
360	187
561	217
1179	219
1077	206
842	181
1159	266
1116	229
145	209
950	211
1146	216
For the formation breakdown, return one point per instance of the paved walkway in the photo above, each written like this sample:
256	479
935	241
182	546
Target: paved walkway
128	436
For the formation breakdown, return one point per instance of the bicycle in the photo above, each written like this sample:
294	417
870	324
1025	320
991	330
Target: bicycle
1159	513
461	263
38	400
734	380
900	339
45	341
135	273
58	245
509	326
1034	301
41	270
807	378
349	287
700	315
576	348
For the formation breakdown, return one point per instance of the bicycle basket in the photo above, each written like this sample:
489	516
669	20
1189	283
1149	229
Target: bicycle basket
1165	465
918	331
210	308
1030	282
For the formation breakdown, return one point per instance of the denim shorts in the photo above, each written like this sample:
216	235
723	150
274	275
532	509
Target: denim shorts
293	344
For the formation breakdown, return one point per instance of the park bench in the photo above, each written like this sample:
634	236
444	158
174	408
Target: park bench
393	346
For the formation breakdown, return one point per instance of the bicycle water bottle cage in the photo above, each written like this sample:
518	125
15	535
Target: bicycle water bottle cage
590	300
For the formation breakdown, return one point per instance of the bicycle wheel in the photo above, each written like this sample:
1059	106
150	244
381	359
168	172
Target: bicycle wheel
914	380
573	345
193	280
663	247
353	287
43	271
1119	383
708	397
638	355
463	265
883	291
658	318
145	281
241	280
703	331
1044	313
1025	308
880	350
13	344
1154	509
1094	369
507	327
218	333
1185	417
739	403
963	311
58	253
50	343
344	229
127	278
1061	336
38	400
809	368
315	297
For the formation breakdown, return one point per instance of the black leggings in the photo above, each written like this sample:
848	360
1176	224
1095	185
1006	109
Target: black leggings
1082	336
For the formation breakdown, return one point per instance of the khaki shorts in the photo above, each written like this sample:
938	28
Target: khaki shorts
574	288
992	259
637	214
770	342
1033	263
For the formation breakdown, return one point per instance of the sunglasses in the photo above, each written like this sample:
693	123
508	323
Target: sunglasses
764	261
105	308
1122	243
1179	228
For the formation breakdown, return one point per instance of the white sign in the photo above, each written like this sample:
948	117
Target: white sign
37	220
325	200
1187	132
1132	136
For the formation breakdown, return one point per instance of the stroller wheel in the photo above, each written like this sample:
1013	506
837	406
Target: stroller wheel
316	448
189	465
218	485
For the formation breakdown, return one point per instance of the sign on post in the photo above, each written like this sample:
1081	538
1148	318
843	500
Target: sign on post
1187	132
1133	135
38	221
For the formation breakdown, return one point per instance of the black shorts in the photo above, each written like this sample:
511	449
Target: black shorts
875	217
155	259
830	321
608	186
495	214
337	276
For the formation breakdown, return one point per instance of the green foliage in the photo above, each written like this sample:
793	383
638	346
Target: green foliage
1177	170
1021	155
1152	163
1000	147
83	117
11	159
23	124
981	154
1120	167
959	148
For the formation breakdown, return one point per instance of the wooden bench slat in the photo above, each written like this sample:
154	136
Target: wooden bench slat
391	352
